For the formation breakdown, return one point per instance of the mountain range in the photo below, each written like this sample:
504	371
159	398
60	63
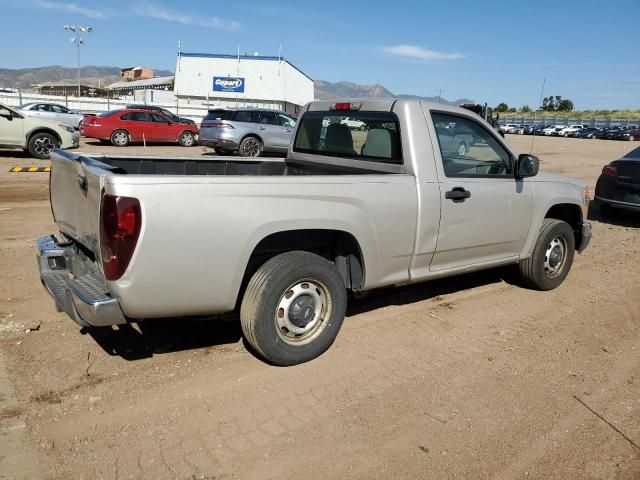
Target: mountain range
27	78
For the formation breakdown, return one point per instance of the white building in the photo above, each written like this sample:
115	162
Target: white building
242	80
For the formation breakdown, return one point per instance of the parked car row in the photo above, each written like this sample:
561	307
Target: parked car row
629	132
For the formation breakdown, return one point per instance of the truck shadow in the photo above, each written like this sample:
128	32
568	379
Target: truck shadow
161	336
432	290
166	335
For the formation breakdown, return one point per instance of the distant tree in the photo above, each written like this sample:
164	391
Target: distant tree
512	110
525	109
565	105
556	104
502	107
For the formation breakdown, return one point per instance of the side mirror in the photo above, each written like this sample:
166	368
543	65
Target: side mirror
527	166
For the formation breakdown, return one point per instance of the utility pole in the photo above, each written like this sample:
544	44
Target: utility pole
77	41
440	95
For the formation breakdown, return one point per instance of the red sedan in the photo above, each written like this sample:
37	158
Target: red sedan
121	127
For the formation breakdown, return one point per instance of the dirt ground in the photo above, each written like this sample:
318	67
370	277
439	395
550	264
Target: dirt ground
472	377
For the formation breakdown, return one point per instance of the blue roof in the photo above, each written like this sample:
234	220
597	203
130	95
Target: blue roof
243	57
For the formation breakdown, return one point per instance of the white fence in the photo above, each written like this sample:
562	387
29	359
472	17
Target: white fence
599	122
193	109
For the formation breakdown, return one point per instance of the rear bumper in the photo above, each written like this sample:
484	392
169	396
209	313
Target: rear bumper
634	207
78	288
585	236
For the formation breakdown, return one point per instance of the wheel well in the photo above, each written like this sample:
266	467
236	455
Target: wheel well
570	213
43	130
339	247
254	135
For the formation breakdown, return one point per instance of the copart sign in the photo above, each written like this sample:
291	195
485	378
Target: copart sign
228	84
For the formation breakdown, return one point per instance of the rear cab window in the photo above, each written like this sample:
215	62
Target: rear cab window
360	135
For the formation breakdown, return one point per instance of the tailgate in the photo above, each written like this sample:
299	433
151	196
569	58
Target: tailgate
75	190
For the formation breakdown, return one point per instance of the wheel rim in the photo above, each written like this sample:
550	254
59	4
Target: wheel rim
302	312
187	139
43	145
251	147
120	138
555	257
462	149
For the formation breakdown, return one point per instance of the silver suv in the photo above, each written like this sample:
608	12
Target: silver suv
249	131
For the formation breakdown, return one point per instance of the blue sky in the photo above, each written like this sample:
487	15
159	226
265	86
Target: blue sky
487	51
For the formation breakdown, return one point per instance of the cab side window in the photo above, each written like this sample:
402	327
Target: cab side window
468	149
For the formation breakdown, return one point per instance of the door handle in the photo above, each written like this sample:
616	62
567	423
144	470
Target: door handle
261	128
457	194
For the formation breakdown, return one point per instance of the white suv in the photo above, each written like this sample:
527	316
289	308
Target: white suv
36	135
570	129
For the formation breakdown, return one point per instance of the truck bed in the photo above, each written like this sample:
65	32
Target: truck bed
228	165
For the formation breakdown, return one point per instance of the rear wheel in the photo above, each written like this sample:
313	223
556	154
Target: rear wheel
187	139
41	144
462	149
250	147
120	138
293	308
552	256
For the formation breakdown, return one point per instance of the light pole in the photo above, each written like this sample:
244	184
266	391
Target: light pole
77	41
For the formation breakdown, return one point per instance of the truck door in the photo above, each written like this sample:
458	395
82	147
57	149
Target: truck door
485	211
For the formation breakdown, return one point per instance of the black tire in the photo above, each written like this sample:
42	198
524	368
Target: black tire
250	147
41	144
120	138
543	270
462	149
187	139
282	282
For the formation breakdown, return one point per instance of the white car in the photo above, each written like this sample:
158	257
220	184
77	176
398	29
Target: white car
553	130
36	135
53	111
570	129
353	124
510	128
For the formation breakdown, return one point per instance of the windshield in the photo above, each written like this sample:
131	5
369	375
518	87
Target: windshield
168	114
372	136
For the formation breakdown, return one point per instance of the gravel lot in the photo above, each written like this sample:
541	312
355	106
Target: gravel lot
471	377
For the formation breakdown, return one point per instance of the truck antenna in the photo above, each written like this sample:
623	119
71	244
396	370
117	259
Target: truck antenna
533	134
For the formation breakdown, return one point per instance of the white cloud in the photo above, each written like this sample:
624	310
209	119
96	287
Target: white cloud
69	8
159	12
419	53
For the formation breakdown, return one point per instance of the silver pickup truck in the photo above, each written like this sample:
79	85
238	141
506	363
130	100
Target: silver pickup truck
423	191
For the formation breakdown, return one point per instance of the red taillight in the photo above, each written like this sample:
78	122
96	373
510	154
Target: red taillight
346	106
216	124
610	171
121	221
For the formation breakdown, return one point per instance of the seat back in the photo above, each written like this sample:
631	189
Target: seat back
380	143
338	139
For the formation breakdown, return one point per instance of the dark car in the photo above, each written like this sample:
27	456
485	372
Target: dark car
528	130
537	130
589	132
618	186
170	115
610	133
630	133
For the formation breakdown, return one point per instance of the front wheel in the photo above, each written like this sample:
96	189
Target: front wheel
41	144
293	308
187	139
462	149
552	256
